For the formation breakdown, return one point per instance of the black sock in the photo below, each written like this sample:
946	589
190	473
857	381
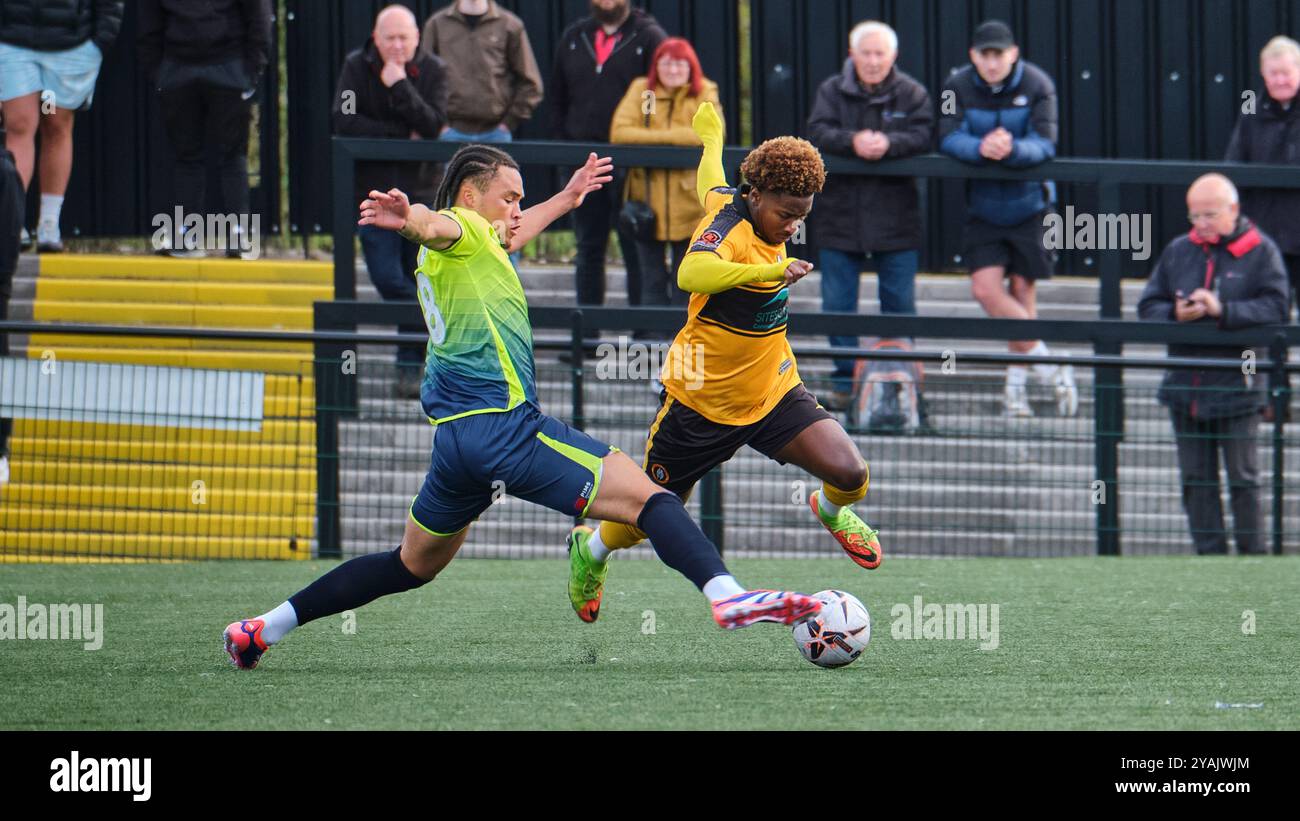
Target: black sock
678	541
354	583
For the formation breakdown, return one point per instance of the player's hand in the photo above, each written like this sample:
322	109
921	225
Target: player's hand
388	211
708	125
590	177
796	270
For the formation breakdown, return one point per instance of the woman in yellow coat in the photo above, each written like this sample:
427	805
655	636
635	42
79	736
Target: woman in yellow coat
664	118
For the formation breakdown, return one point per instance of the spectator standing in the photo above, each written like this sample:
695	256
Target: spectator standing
874	111
1004	111
206	58
11	224
493	84
50	54
658	110
1271	134
388	89
1223	273
596	60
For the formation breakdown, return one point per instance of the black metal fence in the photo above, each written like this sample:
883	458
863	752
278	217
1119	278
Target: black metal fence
1108	177
327	465
1057	486
1160	79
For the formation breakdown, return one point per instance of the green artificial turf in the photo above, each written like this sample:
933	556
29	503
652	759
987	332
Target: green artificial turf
1083	644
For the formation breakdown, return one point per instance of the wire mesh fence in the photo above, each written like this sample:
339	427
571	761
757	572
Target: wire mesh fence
153	462
971	482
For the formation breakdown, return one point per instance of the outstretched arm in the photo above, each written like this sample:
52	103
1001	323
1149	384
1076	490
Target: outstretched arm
708	126
394	212
590	177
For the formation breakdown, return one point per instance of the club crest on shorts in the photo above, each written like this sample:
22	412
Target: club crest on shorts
659	474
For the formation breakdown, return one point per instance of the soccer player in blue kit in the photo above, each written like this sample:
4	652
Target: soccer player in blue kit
479	392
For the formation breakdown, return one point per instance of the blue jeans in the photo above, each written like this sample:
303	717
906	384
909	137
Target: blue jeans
391	262
896	275
496	135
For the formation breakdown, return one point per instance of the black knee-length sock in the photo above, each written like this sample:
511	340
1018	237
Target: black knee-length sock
678	541
354	583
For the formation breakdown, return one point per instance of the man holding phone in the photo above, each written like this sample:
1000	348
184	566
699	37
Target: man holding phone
1225	271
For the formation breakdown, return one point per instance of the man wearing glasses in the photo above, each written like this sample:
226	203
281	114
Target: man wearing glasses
1225	272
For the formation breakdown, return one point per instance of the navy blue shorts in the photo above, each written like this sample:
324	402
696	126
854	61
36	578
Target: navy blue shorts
522	452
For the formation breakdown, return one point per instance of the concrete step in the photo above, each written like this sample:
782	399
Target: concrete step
938	287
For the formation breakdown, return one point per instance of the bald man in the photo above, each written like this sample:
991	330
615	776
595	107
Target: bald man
1225	272
390	89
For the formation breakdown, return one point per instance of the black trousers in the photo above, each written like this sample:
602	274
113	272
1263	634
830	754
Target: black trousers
659	279
11	225
1200	443
198	119
592	222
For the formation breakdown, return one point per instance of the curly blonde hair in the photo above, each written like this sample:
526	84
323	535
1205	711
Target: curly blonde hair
785	165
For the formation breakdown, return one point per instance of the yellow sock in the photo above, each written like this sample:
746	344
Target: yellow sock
617	536
842	498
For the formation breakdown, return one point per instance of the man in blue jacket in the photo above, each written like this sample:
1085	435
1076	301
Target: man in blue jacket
1001	109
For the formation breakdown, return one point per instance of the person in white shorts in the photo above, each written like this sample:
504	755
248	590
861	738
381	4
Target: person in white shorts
50	53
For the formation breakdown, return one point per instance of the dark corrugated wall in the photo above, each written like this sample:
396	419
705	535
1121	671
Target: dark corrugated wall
1137	78
1156	79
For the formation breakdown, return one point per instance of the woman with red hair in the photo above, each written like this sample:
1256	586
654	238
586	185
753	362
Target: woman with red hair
657	110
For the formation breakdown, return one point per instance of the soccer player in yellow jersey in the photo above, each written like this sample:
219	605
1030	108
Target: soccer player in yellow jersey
730	378
479	391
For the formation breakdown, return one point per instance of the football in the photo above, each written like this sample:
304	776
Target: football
838	634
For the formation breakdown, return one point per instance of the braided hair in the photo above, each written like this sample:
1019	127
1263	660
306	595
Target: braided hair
476	164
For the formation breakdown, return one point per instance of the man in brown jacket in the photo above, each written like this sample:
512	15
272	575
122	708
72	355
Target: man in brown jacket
493	79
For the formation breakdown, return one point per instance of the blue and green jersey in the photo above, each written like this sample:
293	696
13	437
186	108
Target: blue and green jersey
480	353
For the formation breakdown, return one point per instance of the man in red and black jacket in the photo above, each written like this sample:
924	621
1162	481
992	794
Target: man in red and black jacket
597	59
1225	272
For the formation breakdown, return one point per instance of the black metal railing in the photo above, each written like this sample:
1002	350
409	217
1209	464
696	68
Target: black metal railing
1109	176
1108	425
976	484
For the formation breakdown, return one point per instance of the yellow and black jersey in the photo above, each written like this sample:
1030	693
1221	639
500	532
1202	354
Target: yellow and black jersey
732	363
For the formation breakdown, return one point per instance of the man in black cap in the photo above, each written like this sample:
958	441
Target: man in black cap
1001	109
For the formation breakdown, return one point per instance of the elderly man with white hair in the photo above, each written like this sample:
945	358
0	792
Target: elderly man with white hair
874	111
1270	133
1224	272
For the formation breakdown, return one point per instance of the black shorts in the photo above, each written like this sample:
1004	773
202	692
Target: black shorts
683	445
1019	249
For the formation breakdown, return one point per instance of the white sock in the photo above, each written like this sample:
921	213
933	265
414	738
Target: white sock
51	205
1044	370
599	553
828	508
278	623
722	587
1017	376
